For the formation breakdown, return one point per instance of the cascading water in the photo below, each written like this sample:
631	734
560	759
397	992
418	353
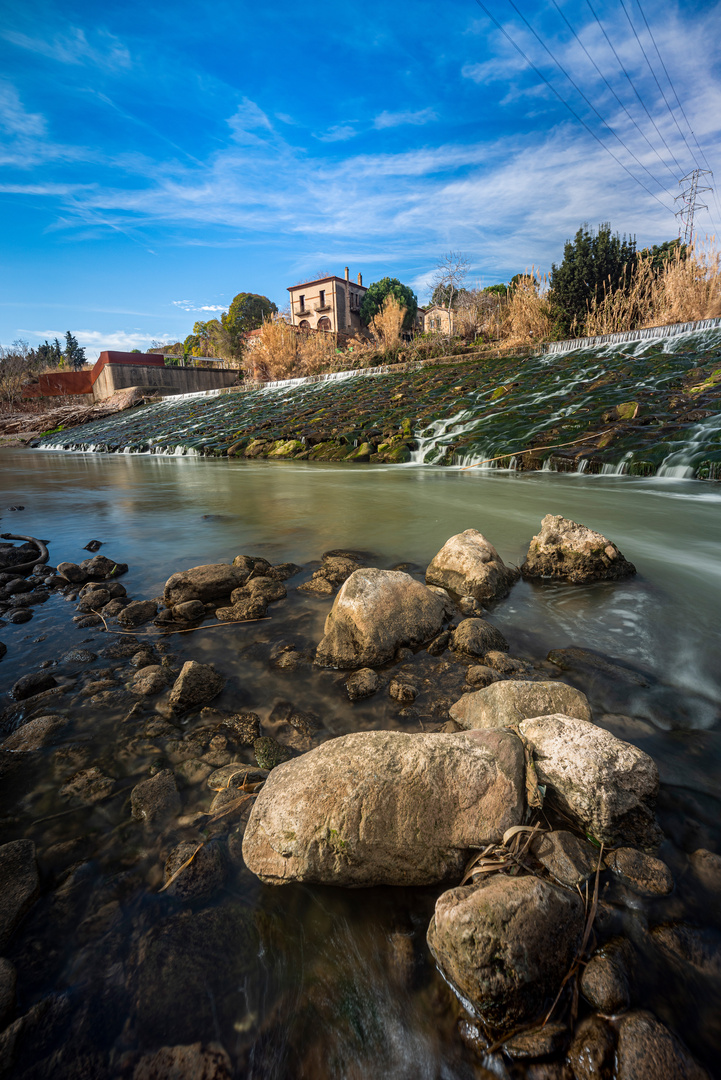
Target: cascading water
623	336
639	406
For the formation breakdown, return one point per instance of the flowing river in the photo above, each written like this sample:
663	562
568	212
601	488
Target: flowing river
316	982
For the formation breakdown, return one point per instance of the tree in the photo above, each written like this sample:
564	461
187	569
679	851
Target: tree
661	254
375	298
593	263
50	354
74	353
450	273
248	311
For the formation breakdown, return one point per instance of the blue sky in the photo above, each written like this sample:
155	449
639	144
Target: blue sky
158	158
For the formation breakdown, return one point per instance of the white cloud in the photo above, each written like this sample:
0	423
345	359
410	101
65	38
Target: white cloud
396	119
248	117
14	118
338	133
188	305
74	48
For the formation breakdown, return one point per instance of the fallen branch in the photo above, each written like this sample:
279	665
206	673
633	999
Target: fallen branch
534	449
23	568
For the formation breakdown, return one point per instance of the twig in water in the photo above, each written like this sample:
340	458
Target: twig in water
167	633
533	449
180	869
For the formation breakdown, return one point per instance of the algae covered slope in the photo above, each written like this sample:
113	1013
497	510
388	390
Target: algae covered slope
642	407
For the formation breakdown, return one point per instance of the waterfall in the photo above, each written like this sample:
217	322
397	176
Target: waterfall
571	344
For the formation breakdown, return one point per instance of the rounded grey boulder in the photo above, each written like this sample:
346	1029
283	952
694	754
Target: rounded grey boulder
469	565
505	704
385	807
376	612
564	549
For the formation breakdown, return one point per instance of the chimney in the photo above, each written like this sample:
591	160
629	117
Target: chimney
347	274
360	279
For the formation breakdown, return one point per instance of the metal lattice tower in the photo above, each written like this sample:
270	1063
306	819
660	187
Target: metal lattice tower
689	202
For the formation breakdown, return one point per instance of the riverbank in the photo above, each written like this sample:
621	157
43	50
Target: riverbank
331	964
642	408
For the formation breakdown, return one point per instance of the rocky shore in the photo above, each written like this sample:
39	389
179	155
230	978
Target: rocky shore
500	796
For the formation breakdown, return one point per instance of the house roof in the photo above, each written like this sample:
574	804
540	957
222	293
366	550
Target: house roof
333	277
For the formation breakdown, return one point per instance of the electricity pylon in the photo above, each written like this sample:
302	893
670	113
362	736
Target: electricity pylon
689	202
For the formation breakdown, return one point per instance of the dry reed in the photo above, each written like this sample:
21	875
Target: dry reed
684	289
527	315
388	323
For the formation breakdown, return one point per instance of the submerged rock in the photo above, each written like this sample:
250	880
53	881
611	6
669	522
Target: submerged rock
209	583
608	787
29	685
269	753
647	1050
376	612
196	684
592	1051
35	734
20	885
643	873
198	1061
565	549
505	704
204	874
8	984
137	613
362	684
385	807
469	565
156	799
606	978
476	637
506	944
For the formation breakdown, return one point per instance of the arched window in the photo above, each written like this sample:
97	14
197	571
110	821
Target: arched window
324	323
304	324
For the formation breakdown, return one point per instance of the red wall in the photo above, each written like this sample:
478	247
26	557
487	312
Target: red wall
60	383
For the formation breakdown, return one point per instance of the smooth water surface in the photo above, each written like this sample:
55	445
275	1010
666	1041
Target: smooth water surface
332	983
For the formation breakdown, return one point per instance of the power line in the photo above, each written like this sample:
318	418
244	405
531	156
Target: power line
631	84
628	114
578	90
563	101
683	113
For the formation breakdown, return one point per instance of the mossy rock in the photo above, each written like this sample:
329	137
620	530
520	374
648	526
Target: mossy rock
398	455
286	449
362	453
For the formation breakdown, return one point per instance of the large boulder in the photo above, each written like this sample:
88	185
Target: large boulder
606	786
209	583
385	807
564	549
647	1050
375	612
506	944
505	704
469	565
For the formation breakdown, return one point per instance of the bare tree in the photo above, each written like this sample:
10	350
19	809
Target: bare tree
450	273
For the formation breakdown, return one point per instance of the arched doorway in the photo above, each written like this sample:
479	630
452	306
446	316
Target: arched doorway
324	323
304	325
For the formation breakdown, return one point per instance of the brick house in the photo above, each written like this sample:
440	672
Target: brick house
329	303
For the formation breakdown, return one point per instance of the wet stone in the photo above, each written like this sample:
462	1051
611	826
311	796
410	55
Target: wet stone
193	771
189	611
244	727
480	676
362	684
122	649
8	983
539	1043
22	615
591	1053
138	613
439	644
21	885
269	752
155	800
647	1050
88	785
196	684
198	1061
569	859
202	877
29	685
402	691
606	979
476	637
235	775
645	874
150	680
35	734
78	656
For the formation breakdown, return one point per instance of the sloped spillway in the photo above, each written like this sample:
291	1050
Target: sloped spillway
642	407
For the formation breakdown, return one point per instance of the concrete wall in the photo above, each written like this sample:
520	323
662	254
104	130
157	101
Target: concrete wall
171	380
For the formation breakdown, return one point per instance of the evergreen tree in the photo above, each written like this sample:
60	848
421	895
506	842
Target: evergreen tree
375	298
593	263
74	353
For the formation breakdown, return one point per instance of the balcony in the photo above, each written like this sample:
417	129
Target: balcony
303	311
322	307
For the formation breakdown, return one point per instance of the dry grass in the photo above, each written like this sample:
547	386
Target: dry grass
388	323
526	315
684	290
284	352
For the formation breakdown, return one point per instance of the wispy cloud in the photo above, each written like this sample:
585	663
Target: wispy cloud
107	51
397	119
188	305
14	117
338	133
